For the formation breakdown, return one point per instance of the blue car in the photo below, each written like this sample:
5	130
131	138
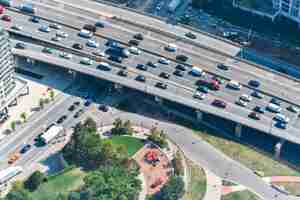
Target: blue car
25	148
203	89
259	109
281	125
35	19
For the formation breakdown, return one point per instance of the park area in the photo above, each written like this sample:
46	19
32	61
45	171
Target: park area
132	144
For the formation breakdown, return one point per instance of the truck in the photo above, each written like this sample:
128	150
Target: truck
6	3
28	8
209	82
173	5
50	134
9	173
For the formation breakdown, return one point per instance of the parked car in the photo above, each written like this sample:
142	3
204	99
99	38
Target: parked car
78	113
241	103
275	101
134	50
92	43
90	27
234	85
61	119
171	47
293	109
86	61
246	97
104	66
62	34
65	55
203	89
72	108
48	50
99	24
117	59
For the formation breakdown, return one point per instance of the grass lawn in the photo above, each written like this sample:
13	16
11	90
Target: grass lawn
132	144
197	182
63	183
242	195
249	157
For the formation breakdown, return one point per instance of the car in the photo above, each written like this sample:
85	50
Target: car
56	39
17	27
25	148
152	64
223	67
134	50
254	115
48	127
117	59
44	29
171	47
104	66
134	42
99	24
77	46
138	36
161	85
254	83
293	109
259	109
241	103
182	58
141	78
199	95
190	35
62	34
275	101
164	75
34	19
6	18
142	67
164	61
92	43
257	95
76	103
48	50
55	26
281	125
86	61
112	43
72	108
273	108
100	53
234	85
281	117
78	113
61	119
90	27
181	67
13	158
103	108
65	55
219	103
203	89
87	103
20	45
178	73
123	73
246	97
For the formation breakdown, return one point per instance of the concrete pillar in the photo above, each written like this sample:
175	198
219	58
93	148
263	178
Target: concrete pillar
199	115
158	100
277	148
238	130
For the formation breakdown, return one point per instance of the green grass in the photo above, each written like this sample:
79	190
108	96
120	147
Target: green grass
242	195
197	182
249	157
62	183
132	144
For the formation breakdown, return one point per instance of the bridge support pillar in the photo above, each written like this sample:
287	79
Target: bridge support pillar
159	100
277	148
199	114
238	130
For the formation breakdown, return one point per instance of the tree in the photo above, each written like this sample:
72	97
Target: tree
41	103
23	116
177	164
51	94
46	101
34	181
122	128
91	124
158	137
13	125
18	193
61	196
173	189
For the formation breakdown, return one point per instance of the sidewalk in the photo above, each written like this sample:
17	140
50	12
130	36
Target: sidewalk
213	186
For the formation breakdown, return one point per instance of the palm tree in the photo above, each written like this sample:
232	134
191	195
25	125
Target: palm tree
23	116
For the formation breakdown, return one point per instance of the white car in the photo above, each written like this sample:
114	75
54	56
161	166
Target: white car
92	43
164	61
99	53
55	26
281	118
134	50
199	95
234	85
241	103
171	47
86	61
56	39
17	27
246	98
61	34
65	55
45	29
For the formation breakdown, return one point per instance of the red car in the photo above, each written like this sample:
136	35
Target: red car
254	115
219	103
6	18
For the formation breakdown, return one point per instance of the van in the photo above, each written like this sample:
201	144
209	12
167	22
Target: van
234	85
274	108
85	33
281	118
171	47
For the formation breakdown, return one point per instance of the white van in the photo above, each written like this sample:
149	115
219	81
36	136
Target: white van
281	118
86	61
85	33
171	47
274	108
234	85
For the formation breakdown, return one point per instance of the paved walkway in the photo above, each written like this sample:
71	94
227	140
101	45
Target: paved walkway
213	186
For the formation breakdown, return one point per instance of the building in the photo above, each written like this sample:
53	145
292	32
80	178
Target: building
288	8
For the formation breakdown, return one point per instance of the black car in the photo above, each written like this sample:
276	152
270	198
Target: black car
152	64
164	75
275	101
25	148
103	108
257	95
90	27
134	42
142	67
78	113
35	19
138	36
191	35
76	103
71	108
61	119
254	83
259	109
77	46
222	66
117	59
123	73
181	67
87	103
20	45
179	73
182	58
141	78
99	24
161	85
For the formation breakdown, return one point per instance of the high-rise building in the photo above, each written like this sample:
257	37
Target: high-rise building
288	8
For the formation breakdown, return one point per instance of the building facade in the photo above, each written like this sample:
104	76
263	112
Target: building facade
288	8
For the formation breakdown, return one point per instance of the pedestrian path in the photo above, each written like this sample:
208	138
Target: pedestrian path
213	186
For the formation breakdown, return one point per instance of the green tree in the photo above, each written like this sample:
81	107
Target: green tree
122	128
34	181
51	94
13	125
41	103
173	189
61	196
23	116
158	137
177	164
91	124
18	194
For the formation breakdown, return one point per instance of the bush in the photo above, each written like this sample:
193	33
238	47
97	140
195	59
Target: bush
158	137
177	164
122	128
173	189
34	181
